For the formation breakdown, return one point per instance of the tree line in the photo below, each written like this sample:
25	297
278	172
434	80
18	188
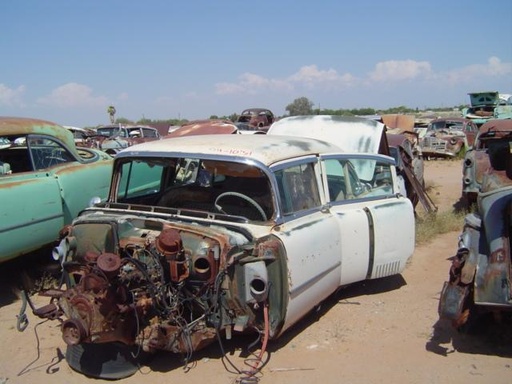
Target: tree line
298	107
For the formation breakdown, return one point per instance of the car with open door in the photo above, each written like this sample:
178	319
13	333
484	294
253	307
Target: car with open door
206	237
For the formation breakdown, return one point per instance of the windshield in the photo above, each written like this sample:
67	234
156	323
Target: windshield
195	184
446	125
111	131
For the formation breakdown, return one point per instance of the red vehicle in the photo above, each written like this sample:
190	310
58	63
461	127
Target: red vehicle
257	117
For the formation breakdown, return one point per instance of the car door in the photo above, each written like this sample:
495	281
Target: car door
31	208
470	130
310	236
375	223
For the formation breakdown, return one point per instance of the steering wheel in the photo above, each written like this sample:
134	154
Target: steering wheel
243	197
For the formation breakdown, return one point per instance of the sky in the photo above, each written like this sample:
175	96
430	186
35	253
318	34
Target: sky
68	60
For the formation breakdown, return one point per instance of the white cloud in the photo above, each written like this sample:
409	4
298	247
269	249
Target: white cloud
11	97
311	75
493	68
250	83
308	76
399	70
228	88
391	71
73	95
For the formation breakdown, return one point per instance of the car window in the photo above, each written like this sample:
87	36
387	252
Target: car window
149	132
133	132
46	152
349	179
139	178
298	188
195	184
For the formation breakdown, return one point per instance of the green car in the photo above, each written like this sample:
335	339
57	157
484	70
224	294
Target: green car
45	181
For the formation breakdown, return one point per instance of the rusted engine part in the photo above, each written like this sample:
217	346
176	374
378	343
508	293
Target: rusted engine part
481	271
169	290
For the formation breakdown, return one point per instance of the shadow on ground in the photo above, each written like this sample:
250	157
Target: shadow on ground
24	272
241	345
486	337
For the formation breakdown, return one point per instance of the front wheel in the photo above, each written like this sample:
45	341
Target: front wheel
109	361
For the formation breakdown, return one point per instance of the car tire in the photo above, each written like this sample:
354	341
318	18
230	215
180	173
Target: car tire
110	361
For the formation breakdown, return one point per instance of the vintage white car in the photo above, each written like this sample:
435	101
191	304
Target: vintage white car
205	237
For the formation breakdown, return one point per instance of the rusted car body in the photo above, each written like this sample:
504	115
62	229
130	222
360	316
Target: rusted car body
404	148
447	137
478	161
113	138
45	181
248	129
84	137
480	278
204	127
261	118
485	106
251	238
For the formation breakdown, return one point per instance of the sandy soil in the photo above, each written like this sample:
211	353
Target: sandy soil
383	331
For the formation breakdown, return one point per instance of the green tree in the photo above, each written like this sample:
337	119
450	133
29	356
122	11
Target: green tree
300	106
111	110
122	120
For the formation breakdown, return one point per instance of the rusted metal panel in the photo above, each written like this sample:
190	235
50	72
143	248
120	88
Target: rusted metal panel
493	277
488	165
204	127
399	121
481	271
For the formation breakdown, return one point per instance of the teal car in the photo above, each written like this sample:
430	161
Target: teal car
45	181
487	106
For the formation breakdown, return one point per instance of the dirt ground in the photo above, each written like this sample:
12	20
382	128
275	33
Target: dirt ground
380	331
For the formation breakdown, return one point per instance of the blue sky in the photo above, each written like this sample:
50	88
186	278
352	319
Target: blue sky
68	60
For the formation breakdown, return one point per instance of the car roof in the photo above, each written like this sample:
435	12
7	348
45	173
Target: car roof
25	126
458	119
496	125
255	110
204	127
261	148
